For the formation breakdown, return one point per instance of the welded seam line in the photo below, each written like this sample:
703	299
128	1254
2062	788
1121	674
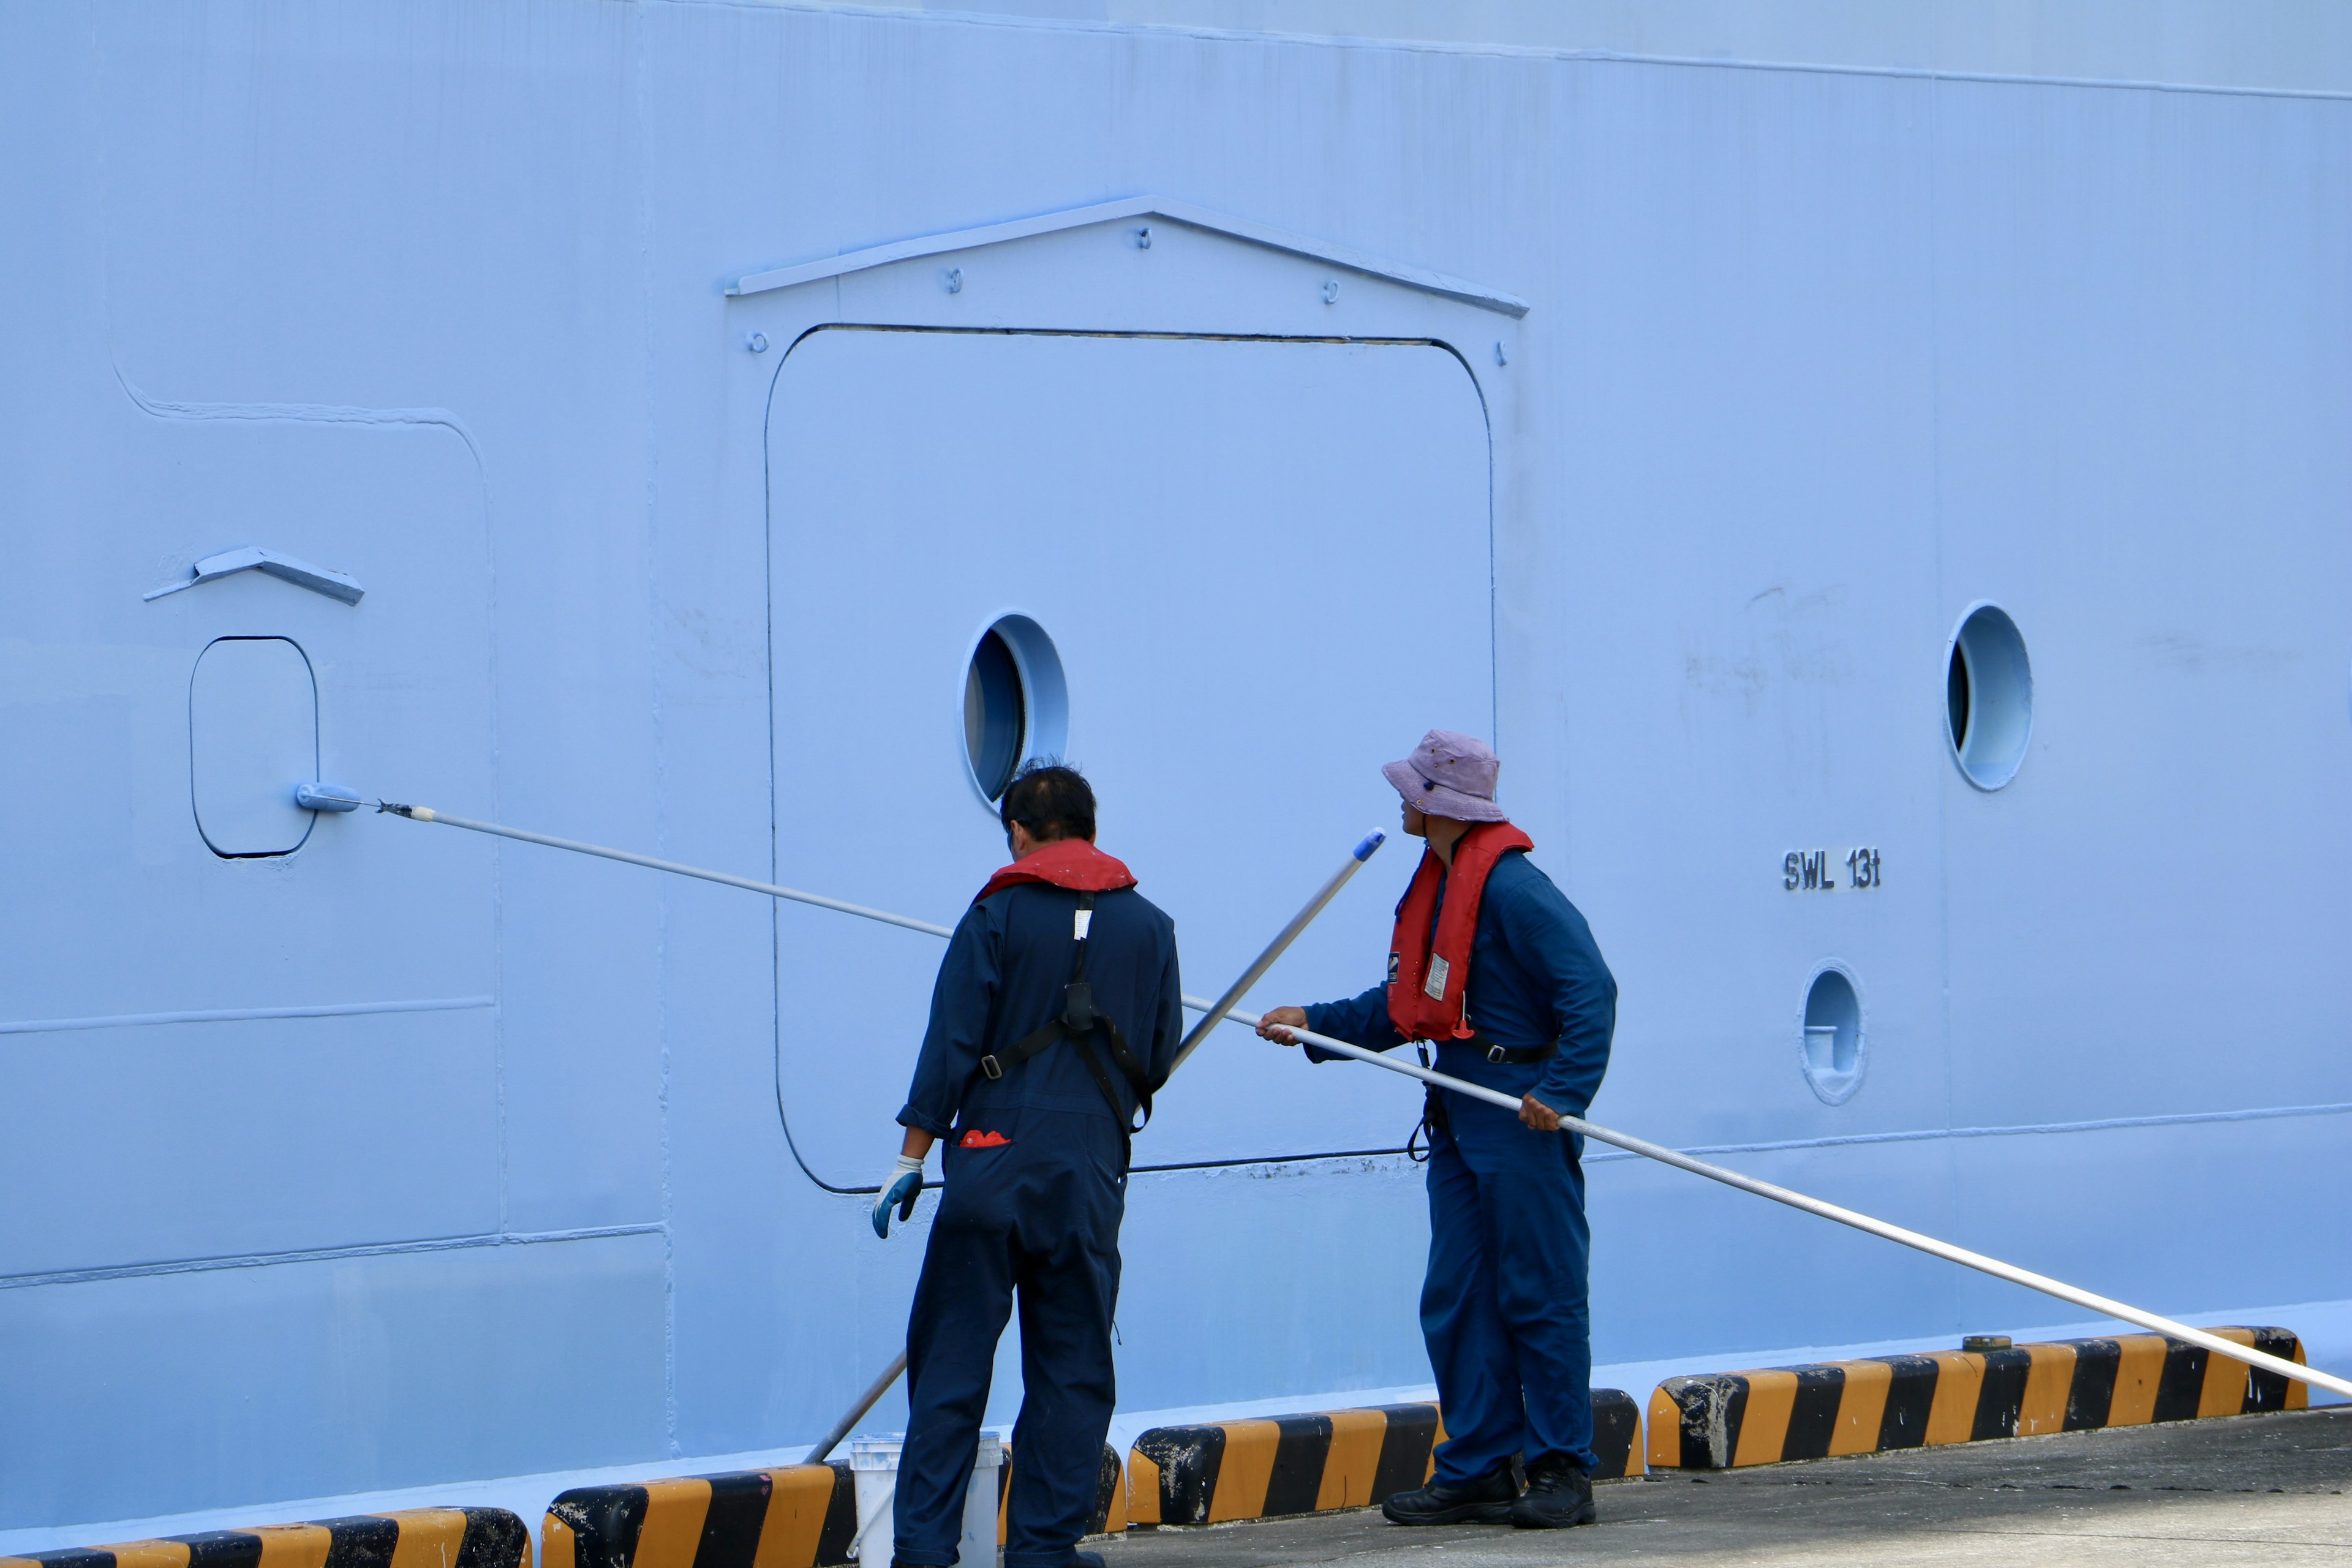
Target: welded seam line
241	1014
1483	50
326	1255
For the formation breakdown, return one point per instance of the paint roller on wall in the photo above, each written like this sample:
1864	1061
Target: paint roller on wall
1223	1008
1211	1013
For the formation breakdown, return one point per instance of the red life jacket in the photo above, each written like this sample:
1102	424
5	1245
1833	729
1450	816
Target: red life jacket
1425	990
1071	863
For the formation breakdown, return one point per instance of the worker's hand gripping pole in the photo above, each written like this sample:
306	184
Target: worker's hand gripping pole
2102	1305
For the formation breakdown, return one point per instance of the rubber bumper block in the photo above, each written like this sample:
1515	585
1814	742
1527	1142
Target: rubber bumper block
458	1537
794	1516
1722	1420
1311	1464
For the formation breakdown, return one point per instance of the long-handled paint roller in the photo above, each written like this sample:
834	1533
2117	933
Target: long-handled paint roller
2103	1306
1211	1013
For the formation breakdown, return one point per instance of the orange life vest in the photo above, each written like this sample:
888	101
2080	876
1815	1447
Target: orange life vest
1071	863
1425	988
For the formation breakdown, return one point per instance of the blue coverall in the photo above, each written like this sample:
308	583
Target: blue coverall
1503	1304
1039	1213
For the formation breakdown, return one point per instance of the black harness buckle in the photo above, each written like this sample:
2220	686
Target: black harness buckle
993	1068
1497	1054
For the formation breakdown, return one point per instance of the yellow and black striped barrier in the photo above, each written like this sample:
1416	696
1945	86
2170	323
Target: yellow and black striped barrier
416	1538
1722	1420
1309	1464
794	1516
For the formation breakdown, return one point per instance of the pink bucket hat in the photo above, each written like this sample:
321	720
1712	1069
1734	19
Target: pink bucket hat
1449	775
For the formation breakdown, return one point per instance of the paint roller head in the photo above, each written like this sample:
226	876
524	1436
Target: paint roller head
319	796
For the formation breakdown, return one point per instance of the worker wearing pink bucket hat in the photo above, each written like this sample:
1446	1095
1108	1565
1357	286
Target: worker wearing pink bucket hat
1493	966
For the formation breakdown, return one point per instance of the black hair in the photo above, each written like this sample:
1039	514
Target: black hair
1051	799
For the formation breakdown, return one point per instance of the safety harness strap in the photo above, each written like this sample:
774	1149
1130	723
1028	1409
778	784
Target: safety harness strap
1079	1023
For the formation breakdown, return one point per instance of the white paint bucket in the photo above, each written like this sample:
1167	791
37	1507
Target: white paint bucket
874	1461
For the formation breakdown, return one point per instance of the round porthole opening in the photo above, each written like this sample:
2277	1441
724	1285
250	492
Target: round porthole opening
1016	704
1832	1049
1988	697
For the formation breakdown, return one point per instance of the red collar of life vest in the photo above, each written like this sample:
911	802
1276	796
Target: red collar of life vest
1071	863
1425	987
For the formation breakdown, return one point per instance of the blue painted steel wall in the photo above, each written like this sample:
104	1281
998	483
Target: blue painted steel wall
432	295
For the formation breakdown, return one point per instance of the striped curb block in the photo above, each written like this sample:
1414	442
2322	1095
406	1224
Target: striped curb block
1310	1464
415	1538
794	1516
1725	1420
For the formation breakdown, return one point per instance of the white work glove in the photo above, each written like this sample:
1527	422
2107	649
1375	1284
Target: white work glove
902	1186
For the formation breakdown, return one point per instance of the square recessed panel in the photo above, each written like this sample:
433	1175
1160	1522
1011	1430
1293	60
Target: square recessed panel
1264	568
253	736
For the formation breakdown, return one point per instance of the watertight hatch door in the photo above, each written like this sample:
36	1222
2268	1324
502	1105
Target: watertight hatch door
253	736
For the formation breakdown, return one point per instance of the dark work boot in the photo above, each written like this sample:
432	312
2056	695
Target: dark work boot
1486	1501
1558	1494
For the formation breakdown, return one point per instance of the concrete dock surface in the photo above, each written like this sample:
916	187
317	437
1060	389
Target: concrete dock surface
2256	1488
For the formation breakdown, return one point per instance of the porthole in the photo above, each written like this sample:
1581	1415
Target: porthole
1016	703
1988	697
1831	1053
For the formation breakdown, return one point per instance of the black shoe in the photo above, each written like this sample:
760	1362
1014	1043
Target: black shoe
1558	1494
1486	1501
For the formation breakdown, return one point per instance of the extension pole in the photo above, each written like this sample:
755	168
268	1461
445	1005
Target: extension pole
1214	1014
1215	1010
857	1413
427	814
1211	1012
2098	1304
2102	1305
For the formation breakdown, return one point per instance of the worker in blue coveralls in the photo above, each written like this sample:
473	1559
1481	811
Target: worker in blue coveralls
1056	1017
1495	967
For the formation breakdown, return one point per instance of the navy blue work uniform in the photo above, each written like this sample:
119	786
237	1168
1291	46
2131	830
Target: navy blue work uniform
1503	1306
1035	1167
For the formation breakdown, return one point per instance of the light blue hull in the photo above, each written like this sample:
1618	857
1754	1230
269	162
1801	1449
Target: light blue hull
1662	421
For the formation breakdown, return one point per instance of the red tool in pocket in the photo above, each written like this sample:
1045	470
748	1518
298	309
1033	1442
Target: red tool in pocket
975	1139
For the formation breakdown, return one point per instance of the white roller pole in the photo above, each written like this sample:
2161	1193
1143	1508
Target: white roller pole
2102	1305
1212	1011
1211	1015
427	814
1217	1009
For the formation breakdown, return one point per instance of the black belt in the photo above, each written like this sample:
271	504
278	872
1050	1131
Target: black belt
1433	1103
1514	1056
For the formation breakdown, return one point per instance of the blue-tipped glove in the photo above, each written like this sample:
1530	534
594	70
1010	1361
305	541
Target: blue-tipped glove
902	1186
